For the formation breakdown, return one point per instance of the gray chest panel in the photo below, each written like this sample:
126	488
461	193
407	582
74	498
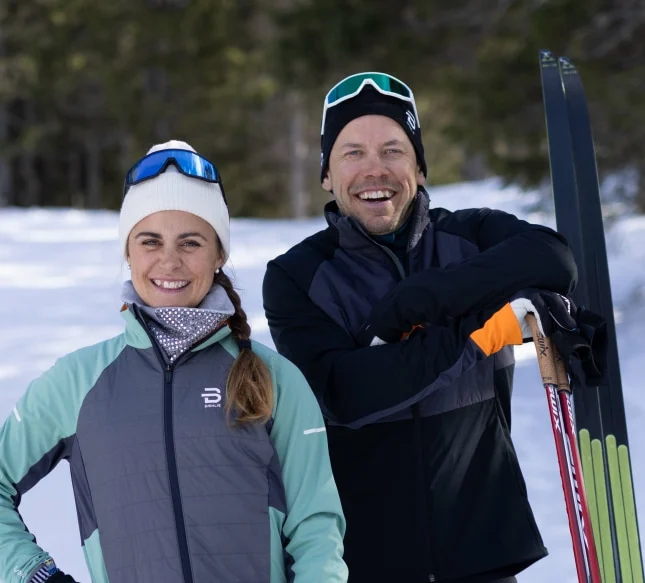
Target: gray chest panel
222	472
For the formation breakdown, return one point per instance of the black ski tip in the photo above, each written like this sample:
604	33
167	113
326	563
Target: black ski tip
547	59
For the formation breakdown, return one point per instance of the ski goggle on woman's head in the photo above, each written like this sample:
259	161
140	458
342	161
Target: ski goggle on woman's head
383	83
187	162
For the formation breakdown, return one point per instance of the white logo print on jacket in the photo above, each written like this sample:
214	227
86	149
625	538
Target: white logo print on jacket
212	397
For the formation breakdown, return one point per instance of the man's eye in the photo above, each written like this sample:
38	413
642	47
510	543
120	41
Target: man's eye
353	153
393	151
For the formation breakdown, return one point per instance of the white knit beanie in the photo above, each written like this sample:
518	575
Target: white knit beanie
173	191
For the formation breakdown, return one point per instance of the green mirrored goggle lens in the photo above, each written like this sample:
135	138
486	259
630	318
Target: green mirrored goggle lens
351	85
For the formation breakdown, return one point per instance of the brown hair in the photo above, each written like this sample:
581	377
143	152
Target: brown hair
249	389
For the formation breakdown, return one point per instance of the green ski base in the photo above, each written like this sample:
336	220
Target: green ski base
624	511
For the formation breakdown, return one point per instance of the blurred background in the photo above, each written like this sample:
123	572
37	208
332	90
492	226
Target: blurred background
87	86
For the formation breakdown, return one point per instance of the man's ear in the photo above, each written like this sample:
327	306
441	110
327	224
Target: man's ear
421	179
326	183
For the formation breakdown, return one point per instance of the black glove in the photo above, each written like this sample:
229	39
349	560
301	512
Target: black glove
578	334
413	302
60	577
373	333
587	345
551	310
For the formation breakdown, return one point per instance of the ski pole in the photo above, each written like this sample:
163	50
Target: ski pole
556	384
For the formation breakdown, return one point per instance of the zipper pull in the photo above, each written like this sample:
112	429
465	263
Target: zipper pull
168	374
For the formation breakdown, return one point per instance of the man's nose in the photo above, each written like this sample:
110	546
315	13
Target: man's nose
374	166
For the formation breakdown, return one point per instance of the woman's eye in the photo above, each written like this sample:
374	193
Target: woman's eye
150	243
191	244
393	151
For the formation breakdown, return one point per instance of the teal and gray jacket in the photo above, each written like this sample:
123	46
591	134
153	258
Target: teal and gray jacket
165	489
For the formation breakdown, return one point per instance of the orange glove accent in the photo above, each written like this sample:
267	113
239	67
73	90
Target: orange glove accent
502	329
406	334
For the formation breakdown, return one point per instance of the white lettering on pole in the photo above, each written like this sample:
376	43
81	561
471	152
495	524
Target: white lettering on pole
555	414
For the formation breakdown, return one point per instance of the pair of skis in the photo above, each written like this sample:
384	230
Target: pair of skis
609	551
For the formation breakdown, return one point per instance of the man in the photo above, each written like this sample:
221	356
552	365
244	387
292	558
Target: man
384	312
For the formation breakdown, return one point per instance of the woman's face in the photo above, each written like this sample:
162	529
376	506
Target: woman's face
173	256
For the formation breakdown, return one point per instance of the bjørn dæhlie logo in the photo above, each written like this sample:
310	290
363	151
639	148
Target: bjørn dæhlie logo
212	397
412	120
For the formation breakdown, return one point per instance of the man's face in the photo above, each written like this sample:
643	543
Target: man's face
373	173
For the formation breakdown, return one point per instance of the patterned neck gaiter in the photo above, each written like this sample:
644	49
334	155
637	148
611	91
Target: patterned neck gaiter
178	329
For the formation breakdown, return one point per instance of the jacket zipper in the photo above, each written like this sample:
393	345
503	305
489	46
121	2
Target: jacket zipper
416	417
425	494
388	252
394	259
173	475
171	458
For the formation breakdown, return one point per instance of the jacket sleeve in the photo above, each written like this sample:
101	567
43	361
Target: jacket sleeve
34	438
39	433
359	385
314	525
514	255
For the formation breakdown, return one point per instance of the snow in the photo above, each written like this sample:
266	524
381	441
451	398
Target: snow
60	279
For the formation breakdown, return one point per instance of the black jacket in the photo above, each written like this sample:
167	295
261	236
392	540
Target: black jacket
419	430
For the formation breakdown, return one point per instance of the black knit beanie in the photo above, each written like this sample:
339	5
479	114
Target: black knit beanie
369	101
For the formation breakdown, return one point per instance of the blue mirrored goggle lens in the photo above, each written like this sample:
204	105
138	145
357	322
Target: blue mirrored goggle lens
187	162
384	82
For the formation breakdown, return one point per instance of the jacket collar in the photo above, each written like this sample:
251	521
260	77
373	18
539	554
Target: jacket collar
137	337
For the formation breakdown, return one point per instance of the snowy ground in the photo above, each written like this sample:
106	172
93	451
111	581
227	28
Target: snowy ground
60	278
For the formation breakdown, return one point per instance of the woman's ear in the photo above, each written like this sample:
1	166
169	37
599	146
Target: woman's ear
220	260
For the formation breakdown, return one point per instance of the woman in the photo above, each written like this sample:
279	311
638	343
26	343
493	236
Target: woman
196	455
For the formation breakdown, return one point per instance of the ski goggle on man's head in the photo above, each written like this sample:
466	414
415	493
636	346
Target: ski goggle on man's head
187	162
383	83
